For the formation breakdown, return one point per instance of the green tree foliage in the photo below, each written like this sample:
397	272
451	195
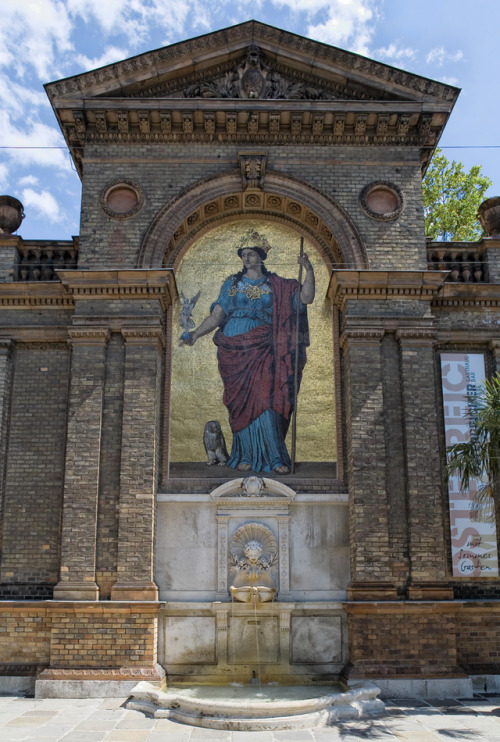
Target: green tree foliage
478	457
451	199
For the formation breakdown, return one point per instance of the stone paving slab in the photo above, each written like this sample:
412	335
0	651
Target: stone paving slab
106	720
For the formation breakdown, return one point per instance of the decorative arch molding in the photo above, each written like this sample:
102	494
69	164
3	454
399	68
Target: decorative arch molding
220	199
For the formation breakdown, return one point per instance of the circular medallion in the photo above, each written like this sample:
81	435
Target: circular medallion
121	199
382	200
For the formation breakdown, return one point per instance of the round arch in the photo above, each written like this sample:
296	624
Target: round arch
213	201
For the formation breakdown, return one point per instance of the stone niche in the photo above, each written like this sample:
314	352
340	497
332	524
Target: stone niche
301	632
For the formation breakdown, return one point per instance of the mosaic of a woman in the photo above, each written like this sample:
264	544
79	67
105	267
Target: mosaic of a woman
255	317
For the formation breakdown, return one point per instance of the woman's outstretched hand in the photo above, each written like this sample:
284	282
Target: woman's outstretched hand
187	338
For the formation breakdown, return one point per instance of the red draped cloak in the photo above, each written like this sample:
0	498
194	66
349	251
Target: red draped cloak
257	367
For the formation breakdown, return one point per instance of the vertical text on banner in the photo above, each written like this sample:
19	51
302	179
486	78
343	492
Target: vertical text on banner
472	518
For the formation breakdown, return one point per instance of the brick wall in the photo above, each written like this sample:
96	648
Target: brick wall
163	170
104	637
24	634
478	638
65	635
405	640
109	484
34	471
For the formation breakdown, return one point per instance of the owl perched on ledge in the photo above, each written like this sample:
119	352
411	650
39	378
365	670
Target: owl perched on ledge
215	445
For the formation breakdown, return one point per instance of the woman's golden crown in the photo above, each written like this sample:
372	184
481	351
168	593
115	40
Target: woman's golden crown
252	238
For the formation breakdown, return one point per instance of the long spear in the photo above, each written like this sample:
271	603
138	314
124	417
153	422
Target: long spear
296	375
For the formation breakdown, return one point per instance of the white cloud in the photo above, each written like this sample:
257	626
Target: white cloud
34	34
4	176
17	98
439	56
393	53
113	16
449	80
28	180
34	144
349	23
112	54
43	203
134	18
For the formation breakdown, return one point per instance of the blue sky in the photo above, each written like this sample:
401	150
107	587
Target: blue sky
455	41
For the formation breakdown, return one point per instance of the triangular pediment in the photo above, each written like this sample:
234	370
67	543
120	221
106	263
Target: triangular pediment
251	83
212	65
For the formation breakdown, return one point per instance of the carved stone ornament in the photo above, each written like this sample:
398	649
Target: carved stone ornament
489	216
254	78
253	169
253	560
121	199
11	214
382	200
253	488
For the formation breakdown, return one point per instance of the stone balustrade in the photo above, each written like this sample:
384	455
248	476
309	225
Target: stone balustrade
40	259
466	261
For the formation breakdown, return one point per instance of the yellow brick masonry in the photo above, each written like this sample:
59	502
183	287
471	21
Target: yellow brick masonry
63	634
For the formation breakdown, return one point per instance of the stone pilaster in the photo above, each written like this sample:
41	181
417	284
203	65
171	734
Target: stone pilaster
428	578
139	464
366	455
9	256
6	348
492	255
494	347
81	481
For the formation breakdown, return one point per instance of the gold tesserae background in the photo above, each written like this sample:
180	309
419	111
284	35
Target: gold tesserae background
196	385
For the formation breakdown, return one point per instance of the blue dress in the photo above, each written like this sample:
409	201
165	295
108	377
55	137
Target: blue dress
247	305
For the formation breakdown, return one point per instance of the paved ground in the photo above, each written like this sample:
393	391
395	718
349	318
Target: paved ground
105	720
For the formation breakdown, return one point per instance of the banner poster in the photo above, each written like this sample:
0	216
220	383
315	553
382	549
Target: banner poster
472	516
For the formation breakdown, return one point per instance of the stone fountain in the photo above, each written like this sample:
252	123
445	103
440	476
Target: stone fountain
252	632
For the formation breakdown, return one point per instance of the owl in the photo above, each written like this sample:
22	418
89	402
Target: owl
215	445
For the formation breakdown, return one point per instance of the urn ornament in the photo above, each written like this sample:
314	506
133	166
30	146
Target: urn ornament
489	216
11	214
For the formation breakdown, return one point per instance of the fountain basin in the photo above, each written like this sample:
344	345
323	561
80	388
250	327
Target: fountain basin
250	708
252	593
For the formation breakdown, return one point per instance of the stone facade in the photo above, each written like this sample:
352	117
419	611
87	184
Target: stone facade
88	496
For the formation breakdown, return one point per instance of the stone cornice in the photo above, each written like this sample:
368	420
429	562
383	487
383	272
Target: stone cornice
229	45
142	99
383	285
43	295
468	296
257	123
120	284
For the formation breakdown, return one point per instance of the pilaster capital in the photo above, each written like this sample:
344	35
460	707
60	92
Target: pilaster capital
6	344
361	336
88	335
143	336
494	346
417	336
